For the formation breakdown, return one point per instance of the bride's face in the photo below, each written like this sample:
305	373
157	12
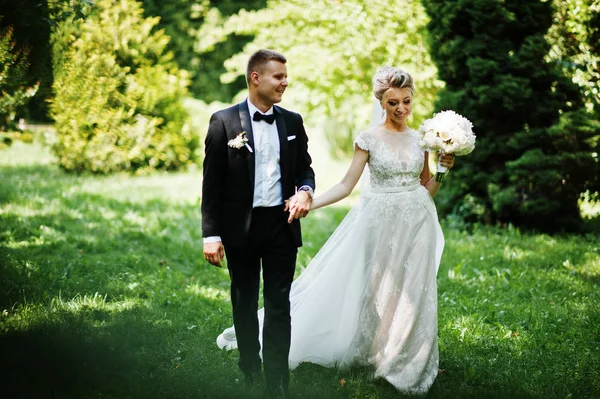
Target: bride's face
397	104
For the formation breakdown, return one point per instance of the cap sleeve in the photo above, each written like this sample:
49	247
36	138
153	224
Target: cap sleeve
362	141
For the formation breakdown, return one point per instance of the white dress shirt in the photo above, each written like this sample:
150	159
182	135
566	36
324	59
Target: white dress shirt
267	172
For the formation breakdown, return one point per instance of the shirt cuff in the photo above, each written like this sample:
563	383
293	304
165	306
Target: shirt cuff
208	240
308	189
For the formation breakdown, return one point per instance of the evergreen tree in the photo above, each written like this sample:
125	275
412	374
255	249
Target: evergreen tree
118	94
535	153
30	22
30	33
14	89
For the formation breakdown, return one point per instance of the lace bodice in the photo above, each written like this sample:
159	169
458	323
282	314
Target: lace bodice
395	159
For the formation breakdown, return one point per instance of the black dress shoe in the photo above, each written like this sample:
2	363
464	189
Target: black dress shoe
253	378
278	392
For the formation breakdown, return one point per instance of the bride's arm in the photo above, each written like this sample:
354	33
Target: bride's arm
428	180
347	184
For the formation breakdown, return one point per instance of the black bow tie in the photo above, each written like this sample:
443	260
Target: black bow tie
261	117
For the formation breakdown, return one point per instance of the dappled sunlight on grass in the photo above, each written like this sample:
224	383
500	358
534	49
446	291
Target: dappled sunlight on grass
208	292
169	187
510	298
33	315
36	206
22	154
93	302
589	268
105	286
544	239
46	235
515	253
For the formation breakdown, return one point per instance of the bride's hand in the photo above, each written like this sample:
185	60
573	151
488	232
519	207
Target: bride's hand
298	205
289	203
447	160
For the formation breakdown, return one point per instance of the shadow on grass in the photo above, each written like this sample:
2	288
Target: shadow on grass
74	242
52	361
110	297
127	356
151	331
106	298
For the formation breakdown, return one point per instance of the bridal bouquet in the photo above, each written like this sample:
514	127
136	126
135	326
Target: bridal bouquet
448	133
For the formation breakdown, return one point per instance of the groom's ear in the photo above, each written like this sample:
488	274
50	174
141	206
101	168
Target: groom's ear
254	76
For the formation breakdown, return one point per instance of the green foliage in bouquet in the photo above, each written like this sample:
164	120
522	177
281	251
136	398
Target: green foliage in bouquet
537	148
14	91
118	94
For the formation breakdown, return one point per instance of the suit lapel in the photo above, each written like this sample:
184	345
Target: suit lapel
283	146
247	127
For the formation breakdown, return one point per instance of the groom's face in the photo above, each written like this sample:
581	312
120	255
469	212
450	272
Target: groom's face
272	82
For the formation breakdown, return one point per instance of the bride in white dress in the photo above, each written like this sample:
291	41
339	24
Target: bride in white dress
369	296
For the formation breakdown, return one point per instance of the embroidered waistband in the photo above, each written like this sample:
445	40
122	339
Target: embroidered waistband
399	189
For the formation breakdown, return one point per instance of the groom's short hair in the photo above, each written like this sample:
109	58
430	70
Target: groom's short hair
259	59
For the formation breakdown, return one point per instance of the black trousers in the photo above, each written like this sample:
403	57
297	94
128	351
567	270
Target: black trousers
270	245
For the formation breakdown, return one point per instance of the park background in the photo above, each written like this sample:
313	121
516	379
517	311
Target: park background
104	105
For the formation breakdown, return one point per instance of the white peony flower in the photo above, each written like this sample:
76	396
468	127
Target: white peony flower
447	132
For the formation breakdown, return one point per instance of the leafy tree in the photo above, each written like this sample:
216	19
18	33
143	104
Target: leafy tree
181	20
333	49
536	151
118	94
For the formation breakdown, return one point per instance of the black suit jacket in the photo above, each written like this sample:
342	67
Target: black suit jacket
228	182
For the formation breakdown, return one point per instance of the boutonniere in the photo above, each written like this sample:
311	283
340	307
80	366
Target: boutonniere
240	141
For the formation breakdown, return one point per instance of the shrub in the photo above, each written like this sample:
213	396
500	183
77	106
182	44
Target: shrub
118	94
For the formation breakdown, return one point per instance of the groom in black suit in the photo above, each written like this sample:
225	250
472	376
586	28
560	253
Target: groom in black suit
256	157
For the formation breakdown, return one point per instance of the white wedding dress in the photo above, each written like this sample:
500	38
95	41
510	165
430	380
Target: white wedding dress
369	296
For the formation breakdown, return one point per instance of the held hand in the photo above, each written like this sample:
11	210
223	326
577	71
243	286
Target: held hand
446	160
298	205
289	203
214	253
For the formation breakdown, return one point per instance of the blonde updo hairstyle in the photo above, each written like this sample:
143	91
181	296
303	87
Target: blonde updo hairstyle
387	78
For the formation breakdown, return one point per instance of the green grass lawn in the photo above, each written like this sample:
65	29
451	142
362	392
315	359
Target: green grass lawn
104	293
